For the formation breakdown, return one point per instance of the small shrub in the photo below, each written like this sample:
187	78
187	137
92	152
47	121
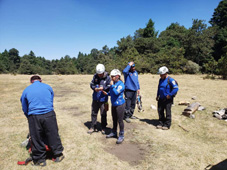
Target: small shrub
192	67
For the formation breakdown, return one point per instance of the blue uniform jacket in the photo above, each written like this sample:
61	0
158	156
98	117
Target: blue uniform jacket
116	93
37	98
131	79
96	82
164	88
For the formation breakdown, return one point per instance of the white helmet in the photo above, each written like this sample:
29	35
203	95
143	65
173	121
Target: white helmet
100	68
115	72
163	70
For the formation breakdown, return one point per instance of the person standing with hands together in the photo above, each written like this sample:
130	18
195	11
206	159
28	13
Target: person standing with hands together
100	85
118	105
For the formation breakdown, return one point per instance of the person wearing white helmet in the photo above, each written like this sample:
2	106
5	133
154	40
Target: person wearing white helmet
118	105
100	85
167	89
132	89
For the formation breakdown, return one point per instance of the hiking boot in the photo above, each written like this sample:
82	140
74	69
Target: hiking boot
112	135
59	158
39	163
121	138
127	120
165	128
90	131
159	126
103	131
133	117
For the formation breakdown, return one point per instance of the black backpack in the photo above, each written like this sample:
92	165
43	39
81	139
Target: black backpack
171	87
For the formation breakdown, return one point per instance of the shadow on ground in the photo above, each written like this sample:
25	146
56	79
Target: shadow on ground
98	127
153	122
220	166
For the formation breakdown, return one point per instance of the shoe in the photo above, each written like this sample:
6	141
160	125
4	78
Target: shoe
165	128
159	126
112	135
133	117
121	138
59	158
103	131
127	120
90	131
39	163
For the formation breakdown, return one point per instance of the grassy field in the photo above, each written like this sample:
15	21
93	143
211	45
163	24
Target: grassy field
145	147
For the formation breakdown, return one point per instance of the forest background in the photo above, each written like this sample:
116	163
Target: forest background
199	49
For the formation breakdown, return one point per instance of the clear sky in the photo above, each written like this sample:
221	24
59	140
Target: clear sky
55	28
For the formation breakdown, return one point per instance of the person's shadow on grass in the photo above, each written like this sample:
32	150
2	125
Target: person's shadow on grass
153	122
98	127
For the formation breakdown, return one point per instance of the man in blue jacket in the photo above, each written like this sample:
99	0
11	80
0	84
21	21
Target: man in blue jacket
132	89
167	89
37	105
100	85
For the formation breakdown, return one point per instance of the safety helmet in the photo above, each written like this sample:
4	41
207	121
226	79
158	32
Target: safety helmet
100	68
163	70
115	72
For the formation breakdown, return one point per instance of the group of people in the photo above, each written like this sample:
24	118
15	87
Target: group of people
123	107
37	105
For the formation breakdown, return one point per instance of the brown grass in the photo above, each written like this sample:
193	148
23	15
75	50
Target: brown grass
145	147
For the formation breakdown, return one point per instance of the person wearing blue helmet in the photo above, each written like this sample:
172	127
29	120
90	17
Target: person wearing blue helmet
132	89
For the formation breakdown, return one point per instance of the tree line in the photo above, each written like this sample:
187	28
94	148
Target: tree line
198	49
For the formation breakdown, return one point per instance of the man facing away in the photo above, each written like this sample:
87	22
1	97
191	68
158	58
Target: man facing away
37	105
132	89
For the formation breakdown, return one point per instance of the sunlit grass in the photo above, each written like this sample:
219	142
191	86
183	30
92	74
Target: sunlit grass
202	144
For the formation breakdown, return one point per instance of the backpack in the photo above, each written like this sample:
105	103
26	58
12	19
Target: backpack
171	87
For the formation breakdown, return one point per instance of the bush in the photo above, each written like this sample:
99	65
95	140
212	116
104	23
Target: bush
192	68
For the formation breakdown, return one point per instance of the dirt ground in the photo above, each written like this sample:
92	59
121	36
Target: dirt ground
190	143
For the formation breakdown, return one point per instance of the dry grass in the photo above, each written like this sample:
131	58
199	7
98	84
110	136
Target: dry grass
145	147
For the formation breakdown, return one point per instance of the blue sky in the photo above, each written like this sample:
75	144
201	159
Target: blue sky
55	28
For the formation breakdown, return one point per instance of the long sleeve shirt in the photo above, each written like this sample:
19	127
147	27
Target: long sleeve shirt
96	83
131	79
165	88
116	93
37	98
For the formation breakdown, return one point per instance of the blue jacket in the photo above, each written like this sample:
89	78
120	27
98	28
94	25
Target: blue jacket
96	82
37	99
116	93
131	79
165	89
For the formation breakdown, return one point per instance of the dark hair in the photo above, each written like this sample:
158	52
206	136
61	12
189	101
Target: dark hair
35	78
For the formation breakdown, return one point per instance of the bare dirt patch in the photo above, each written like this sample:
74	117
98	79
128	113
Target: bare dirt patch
130	152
